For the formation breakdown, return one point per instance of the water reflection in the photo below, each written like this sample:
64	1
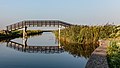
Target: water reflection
79	50
28	53
34	49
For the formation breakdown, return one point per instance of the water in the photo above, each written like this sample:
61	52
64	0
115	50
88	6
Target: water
67	56
46	39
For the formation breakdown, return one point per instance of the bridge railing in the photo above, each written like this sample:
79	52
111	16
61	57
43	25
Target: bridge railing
15	26
45	23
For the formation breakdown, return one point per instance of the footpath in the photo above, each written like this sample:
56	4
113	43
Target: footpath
98	58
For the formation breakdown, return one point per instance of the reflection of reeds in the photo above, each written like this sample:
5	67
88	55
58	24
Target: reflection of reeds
79	50
85	38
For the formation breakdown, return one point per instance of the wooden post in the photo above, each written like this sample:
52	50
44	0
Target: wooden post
54	23
50	23
18	25
14	26
29	23
33	23
7	28
37	24
45	23
58	23
22	24
11	27
42	23
25	23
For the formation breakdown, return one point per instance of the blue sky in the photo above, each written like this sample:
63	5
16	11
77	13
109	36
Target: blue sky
90	12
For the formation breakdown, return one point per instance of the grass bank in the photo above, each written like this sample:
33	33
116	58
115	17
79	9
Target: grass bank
84	34
18	33
113	52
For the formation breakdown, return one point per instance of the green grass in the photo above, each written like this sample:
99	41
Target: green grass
114	54
18	33
86	34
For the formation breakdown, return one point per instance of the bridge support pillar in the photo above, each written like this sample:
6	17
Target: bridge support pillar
25	32
25	42
59	38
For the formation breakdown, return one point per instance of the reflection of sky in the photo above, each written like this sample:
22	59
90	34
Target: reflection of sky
73	11
10	58
46	39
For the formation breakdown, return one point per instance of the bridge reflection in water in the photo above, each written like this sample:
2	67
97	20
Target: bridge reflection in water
35	49
77	50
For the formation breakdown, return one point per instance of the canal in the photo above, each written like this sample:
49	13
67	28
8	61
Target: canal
42	51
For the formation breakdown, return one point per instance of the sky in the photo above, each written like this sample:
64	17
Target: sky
82	12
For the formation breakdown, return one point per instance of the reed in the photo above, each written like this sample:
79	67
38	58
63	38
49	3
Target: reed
113	54
86	34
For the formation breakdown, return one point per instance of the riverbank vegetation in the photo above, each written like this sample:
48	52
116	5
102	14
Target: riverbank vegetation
17	33
89	35
86	34
113	52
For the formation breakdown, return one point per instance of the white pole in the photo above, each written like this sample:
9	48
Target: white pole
23	37
59	38
23	33
59	33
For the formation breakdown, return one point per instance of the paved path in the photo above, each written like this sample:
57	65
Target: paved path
98	58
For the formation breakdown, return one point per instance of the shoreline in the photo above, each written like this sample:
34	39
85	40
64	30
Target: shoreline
17	34
98	58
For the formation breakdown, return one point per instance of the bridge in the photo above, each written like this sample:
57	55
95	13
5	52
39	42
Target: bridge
35	49
37	23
